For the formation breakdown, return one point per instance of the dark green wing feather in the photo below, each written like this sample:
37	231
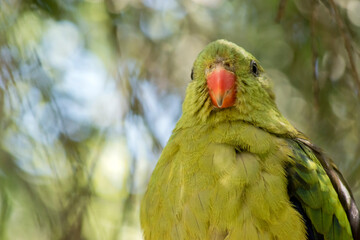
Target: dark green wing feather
322	194
341	187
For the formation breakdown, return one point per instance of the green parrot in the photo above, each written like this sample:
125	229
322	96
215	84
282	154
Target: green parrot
235	168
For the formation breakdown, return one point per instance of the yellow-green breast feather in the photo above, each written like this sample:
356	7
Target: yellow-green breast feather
222	191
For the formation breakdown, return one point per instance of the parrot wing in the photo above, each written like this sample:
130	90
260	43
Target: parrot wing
321	195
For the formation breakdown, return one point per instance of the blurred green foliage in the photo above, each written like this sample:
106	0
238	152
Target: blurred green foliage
90	91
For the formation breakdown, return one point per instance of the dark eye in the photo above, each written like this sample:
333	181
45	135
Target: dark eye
254	68
192	74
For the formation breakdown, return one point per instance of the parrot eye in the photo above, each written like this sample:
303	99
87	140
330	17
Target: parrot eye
254	68
192	74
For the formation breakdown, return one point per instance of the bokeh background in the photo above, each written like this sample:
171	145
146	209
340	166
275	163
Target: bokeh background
91	89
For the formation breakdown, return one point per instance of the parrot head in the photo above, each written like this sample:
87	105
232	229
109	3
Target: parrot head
230	73
229	84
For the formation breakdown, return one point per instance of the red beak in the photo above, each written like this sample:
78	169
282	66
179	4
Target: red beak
221	84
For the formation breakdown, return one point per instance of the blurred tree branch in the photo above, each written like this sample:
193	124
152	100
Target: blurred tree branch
347	42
